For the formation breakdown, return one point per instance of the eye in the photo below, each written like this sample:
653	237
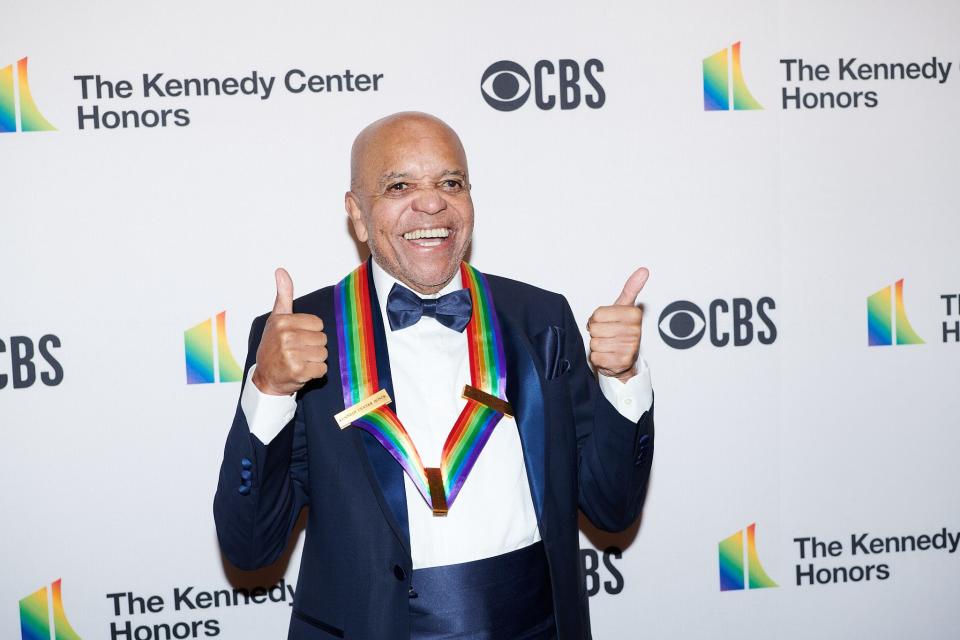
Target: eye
505	85
451	184
398	187
682	324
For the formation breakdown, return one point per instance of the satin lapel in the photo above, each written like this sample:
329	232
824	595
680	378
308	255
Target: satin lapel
525	393
384	473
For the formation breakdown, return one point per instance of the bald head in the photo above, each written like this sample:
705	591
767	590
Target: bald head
377	138
409	198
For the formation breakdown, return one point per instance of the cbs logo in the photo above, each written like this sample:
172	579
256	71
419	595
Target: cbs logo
683	324
23	362
593	573
506	86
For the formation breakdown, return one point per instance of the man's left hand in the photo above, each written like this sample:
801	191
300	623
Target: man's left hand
615	331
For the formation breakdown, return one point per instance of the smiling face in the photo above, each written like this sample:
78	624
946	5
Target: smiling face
410	199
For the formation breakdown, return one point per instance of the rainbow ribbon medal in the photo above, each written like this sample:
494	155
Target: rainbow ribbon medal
367	404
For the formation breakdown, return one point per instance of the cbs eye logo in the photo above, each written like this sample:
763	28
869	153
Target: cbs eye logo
506	85
683	324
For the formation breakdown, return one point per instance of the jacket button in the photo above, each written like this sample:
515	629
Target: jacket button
412	594
399	573
246	463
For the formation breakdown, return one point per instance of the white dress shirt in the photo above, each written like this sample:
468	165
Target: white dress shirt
429	365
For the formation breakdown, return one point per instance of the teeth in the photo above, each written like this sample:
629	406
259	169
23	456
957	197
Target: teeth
426	233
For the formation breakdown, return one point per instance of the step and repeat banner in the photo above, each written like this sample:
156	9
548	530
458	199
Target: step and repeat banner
787	171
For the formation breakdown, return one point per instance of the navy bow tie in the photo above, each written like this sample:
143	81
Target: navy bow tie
405	308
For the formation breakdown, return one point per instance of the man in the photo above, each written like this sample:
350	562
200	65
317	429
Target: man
451	510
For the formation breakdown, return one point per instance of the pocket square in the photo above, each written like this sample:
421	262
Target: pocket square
549	346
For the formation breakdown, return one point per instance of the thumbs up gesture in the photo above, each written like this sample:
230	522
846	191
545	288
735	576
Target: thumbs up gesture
293	349
615	331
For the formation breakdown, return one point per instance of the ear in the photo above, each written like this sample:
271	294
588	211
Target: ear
352	205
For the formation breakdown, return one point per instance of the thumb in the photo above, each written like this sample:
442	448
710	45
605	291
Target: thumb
284	302
628	297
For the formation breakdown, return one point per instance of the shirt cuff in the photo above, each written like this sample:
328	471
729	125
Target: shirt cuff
266	415
632	398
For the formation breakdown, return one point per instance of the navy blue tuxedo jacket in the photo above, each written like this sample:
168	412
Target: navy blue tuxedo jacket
355	573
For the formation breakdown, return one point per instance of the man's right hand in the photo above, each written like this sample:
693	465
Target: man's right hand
293	349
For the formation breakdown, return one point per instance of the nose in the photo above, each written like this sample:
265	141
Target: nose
429	201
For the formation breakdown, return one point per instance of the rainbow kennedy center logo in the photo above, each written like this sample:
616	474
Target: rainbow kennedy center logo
18	111
39	616
732	551
723	85
202	360
888	325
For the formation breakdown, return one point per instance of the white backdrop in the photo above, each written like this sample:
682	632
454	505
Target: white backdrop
116	241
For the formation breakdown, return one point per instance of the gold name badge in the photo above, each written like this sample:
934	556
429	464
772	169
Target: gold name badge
362	408
484	398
